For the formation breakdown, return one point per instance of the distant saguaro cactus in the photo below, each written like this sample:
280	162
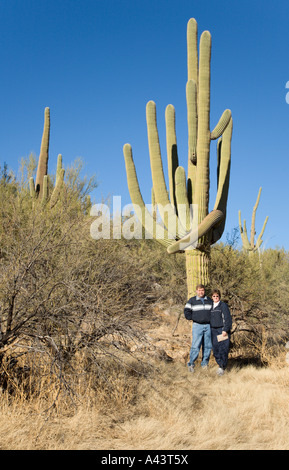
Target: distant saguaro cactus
193	193
39	190
44	154
251	246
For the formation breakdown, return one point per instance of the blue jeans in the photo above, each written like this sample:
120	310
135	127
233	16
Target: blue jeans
201	337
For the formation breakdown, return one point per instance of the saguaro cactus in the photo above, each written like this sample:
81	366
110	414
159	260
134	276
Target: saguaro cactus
251	246
195	191
44	153
39	190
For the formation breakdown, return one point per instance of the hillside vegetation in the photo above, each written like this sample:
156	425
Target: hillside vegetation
94	343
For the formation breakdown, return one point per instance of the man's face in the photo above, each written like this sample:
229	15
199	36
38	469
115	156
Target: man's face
201	292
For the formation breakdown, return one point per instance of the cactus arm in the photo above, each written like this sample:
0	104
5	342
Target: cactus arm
57	189
137	199
259	239
223	172
222	124
32	188
172	153
201	193
192	116
240	222
247	243
43	156
132	180
159	184
244	235
192	50
183	207
45	191
212	219
253	231
219	155
60	172
59	166
193	68
223	178
154	213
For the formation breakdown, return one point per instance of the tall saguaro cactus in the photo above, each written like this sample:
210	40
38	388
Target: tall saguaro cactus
251	246
193	192
39	190
42	167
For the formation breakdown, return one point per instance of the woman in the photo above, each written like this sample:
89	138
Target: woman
221	324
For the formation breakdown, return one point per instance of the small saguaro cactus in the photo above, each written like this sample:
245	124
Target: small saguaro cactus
251	246
39	190
204	228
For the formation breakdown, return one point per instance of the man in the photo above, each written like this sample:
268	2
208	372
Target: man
198	309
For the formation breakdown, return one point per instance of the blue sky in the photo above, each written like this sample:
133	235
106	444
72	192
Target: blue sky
96	63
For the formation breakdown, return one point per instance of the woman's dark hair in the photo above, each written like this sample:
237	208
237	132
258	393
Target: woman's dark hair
216	291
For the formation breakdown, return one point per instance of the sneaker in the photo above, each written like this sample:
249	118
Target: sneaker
191	368
204	367
220	371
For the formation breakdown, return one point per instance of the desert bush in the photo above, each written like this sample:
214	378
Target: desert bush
256	289
66	300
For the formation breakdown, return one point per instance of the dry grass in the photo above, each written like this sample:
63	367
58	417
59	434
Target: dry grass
160	408
248	408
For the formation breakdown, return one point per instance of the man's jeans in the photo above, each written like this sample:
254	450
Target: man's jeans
201	337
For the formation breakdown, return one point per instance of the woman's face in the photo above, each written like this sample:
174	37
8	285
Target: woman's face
215	297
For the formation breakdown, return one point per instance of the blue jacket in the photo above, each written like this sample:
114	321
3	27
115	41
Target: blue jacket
198	310
221	317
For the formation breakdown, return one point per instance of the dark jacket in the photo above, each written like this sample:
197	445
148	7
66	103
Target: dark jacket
197	310
221	317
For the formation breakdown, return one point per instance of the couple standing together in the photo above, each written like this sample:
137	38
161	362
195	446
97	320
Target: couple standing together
212	323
